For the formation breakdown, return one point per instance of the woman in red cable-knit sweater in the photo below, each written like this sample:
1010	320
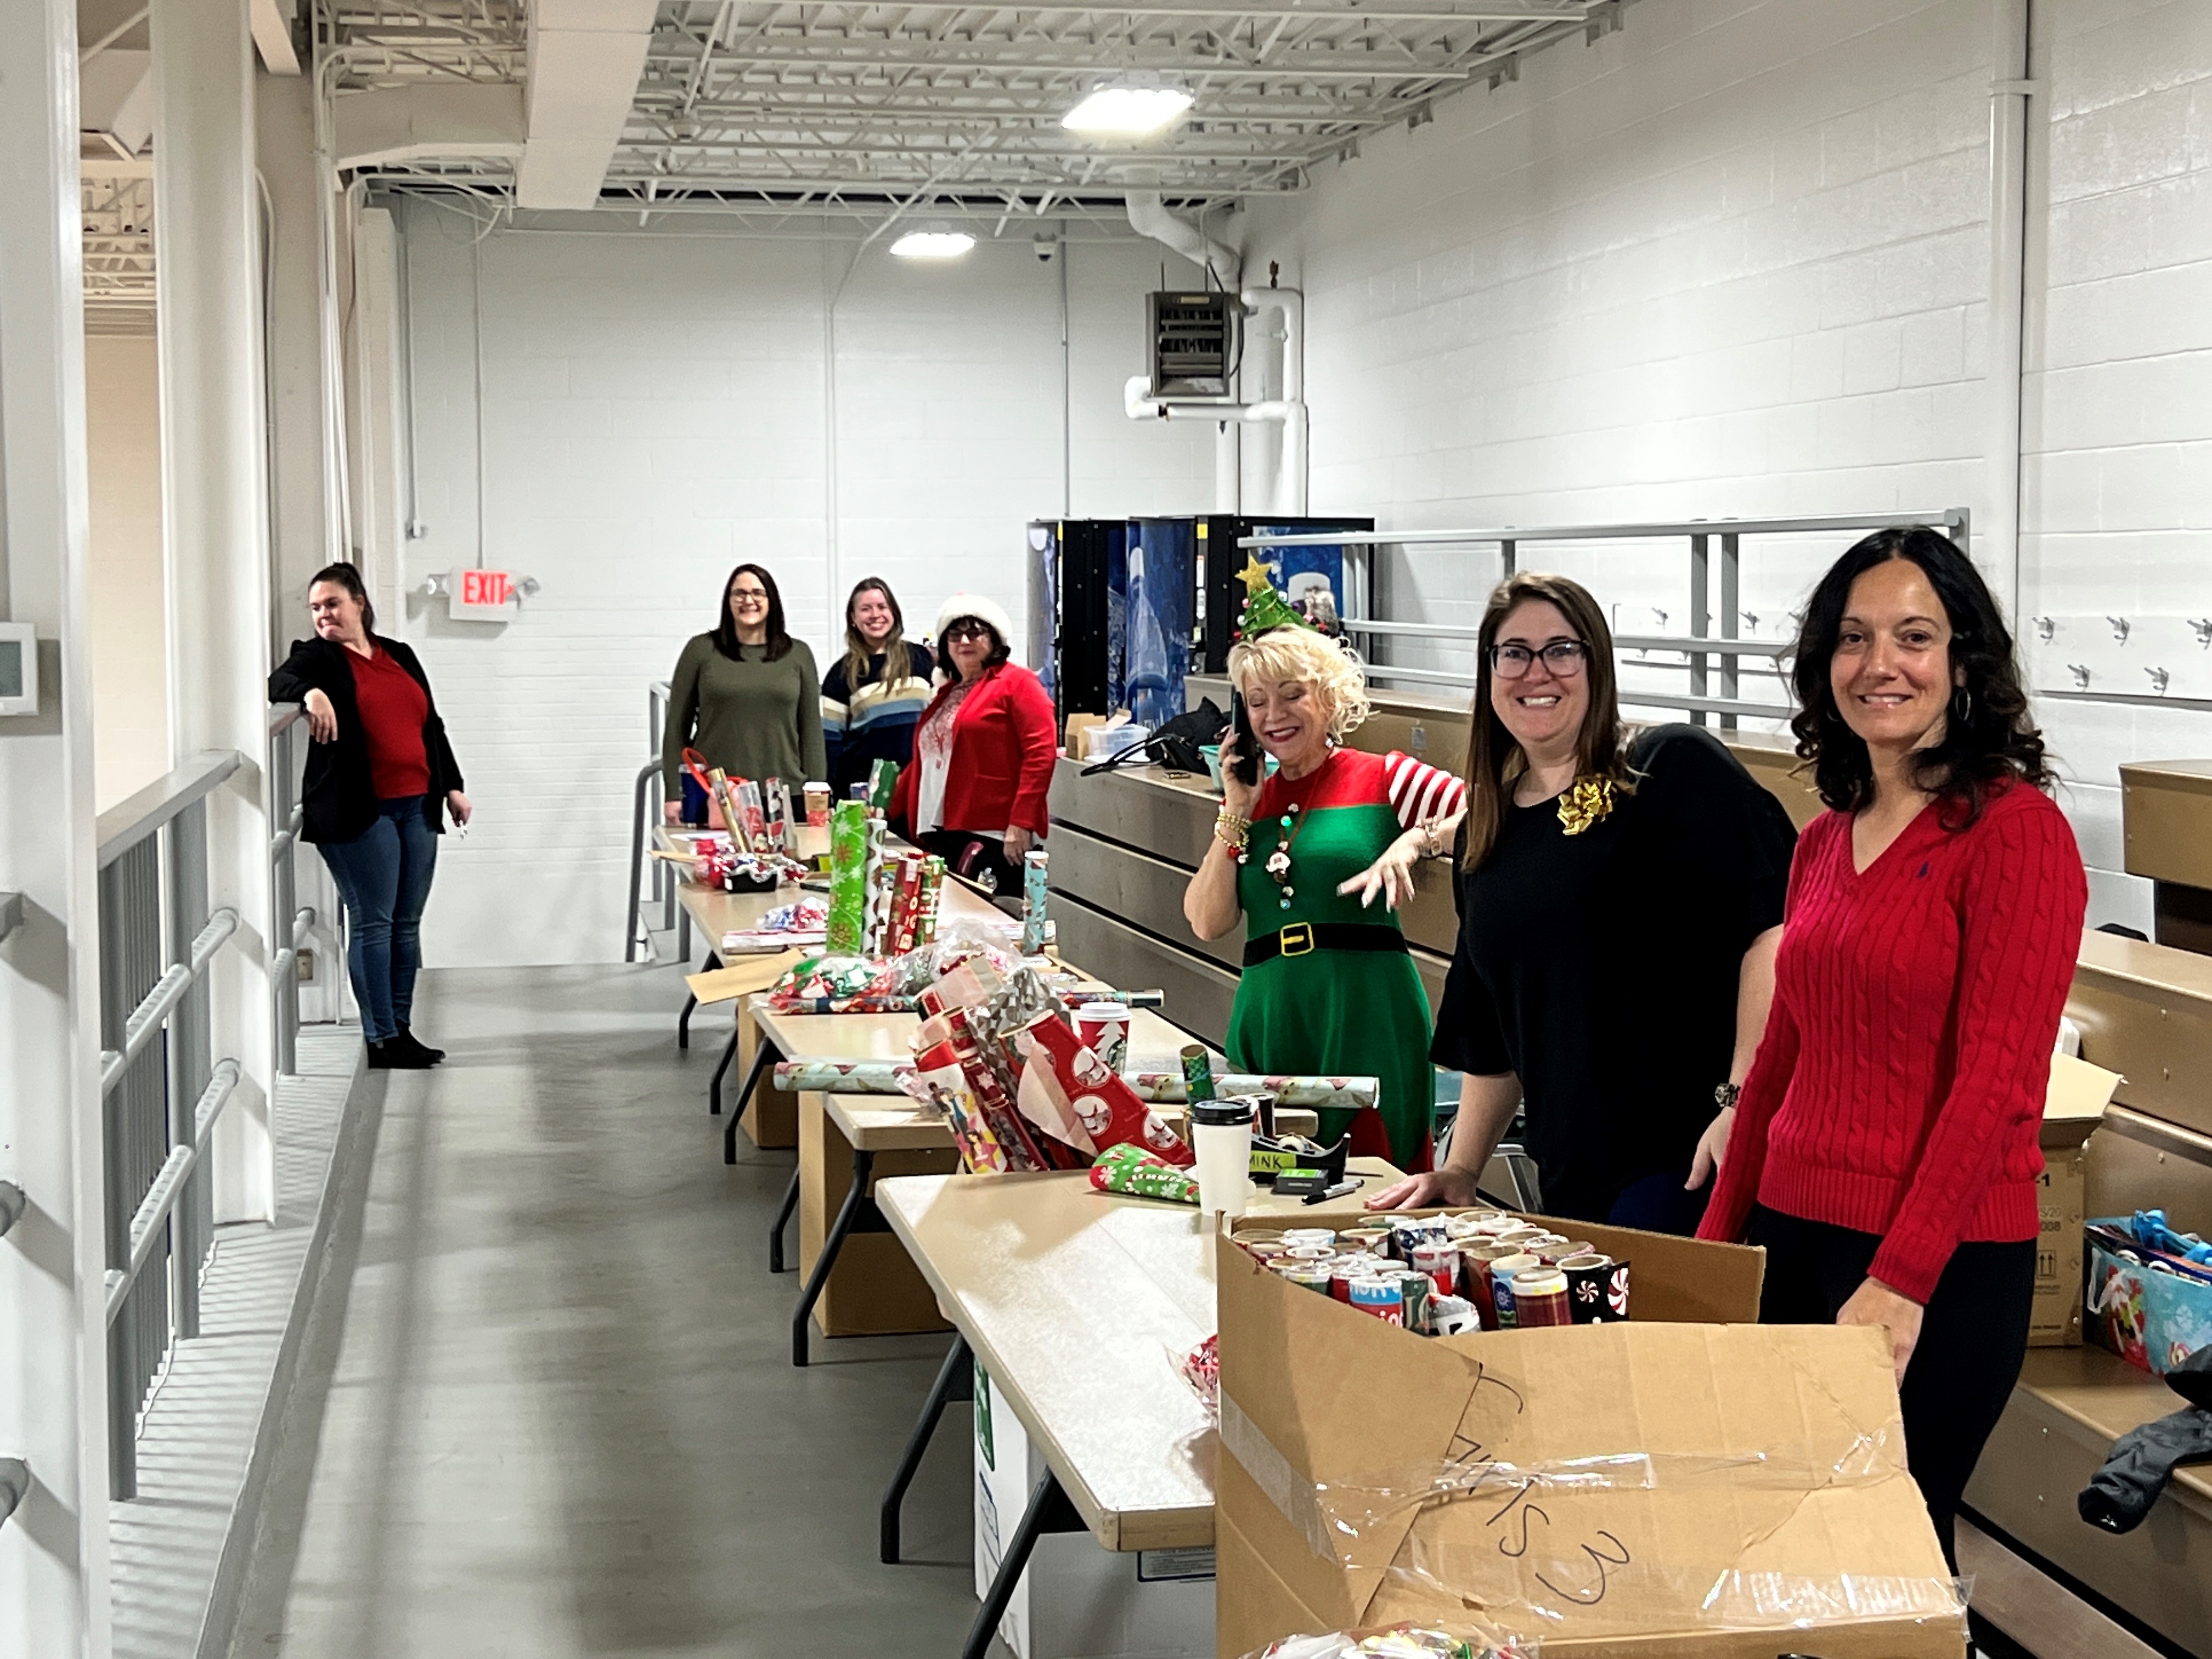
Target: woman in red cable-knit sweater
1884	1149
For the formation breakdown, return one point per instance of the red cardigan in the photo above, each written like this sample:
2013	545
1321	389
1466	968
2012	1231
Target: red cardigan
1898	1089
1003	748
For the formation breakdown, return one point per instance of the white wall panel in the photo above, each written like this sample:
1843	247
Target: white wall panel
1733	260
652	413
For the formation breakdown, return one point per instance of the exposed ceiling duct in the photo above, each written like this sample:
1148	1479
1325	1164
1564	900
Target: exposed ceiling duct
1149	217
586	57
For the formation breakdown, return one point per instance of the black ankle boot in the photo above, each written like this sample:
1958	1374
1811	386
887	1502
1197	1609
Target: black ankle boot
394	1055
413	1044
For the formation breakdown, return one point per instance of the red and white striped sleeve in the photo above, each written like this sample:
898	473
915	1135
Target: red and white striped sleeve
1420	793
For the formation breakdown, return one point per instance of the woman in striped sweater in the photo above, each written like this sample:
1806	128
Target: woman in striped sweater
874	693
1884	1149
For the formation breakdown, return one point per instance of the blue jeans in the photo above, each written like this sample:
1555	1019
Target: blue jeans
384	877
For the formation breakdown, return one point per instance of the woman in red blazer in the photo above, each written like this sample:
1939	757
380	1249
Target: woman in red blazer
983	755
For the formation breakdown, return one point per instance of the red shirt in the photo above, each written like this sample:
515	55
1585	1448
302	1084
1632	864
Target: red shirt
394	706
1898	1089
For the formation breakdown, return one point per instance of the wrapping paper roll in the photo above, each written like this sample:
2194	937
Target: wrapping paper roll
1130	1168
928	900
848	922
814	1075
879	879
1036	868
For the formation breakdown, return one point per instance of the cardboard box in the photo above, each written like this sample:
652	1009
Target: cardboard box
1685	1486
1075	1600
875	1289
2073	1106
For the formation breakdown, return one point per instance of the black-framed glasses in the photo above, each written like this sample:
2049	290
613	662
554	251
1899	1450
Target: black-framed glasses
968	630
1563	659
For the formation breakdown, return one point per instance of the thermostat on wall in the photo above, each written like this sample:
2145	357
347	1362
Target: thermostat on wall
19	668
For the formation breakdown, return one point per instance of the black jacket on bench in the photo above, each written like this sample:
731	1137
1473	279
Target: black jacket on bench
339	798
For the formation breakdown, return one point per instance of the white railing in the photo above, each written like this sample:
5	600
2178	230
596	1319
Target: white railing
161	1085
1714	657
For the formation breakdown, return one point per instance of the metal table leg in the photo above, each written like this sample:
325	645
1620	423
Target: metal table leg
1048	1511
956	1380
782	1220
714	1084
683	1019
763	1054
863	1164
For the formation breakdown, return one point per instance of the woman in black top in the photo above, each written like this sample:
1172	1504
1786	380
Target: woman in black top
1620	898
380	780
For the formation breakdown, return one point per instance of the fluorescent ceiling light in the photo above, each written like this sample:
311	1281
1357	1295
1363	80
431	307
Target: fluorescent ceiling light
932	244
1126	112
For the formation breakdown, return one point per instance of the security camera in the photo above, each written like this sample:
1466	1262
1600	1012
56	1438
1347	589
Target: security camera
1044	247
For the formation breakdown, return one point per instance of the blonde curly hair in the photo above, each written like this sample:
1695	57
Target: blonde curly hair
1303	655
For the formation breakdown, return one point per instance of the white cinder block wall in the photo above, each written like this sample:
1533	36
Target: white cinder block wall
652	413
1734	260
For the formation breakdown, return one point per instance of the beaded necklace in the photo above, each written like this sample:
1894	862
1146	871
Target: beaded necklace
1278	863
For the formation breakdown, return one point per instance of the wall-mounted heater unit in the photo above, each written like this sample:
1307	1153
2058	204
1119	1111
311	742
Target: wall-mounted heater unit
1194	343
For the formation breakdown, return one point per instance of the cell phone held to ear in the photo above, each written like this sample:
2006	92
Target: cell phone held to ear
1245	768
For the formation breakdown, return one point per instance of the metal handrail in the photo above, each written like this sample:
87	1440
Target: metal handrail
11	913
1948	519
15	1485
12	1203
168	991
123	826
168	1185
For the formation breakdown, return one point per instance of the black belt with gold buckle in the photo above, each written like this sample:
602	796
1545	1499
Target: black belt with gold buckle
1304	938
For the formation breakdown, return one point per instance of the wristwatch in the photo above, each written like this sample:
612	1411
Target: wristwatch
1726	1095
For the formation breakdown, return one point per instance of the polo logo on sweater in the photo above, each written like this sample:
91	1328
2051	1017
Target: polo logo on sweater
1924	869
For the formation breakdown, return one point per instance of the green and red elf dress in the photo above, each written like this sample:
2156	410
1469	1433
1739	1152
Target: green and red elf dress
1328	987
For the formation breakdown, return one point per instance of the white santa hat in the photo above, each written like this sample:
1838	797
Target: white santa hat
978	607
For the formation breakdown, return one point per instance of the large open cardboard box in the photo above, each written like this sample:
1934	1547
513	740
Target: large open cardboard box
2073	1106
1688	1485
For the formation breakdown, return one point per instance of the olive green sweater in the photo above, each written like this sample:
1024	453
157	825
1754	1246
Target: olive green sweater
753	718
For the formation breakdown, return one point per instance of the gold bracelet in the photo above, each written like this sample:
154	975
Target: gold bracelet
1231	831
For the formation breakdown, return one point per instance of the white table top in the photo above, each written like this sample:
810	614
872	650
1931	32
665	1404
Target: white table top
1081	1305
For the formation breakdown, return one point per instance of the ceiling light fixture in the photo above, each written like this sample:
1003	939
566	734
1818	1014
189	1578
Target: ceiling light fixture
934	242
1126	112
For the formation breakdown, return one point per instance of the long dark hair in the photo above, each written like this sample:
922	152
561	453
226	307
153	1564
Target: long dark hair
726	627
347	575
898	660
1494	759
1988	737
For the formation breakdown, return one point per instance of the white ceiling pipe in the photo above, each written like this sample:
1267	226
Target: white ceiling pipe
585	57
1149	217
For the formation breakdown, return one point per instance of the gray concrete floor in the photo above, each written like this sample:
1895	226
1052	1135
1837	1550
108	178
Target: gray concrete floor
547	1407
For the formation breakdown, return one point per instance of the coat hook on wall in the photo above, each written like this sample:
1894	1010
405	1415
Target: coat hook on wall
2159	677
2203	625
2120	627
2081	675
2044	627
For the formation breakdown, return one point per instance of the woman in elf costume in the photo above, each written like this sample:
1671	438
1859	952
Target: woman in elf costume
1328	987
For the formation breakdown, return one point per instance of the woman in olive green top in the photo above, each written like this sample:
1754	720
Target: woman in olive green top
745	695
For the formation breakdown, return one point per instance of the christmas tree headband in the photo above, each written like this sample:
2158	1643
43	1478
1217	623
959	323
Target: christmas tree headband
1264	608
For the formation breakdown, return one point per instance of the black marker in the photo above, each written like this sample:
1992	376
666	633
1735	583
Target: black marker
1342	1189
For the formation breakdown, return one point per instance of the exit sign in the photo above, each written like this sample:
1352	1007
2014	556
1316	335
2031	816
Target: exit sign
483	594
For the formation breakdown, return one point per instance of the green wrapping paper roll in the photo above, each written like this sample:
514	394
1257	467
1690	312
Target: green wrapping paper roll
810	1074
848	879
1130	1168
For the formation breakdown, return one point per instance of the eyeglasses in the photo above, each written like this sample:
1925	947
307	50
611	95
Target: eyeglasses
759	593
1563	659
968	630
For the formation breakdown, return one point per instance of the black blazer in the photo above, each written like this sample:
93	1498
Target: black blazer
339	799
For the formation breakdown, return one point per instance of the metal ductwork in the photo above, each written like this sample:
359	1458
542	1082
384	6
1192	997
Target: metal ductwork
586	57
1149	217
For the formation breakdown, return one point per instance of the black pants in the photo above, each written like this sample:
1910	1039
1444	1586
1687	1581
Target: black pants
1973	1340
